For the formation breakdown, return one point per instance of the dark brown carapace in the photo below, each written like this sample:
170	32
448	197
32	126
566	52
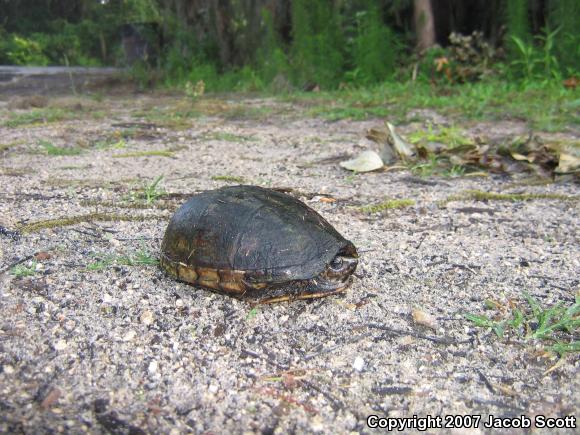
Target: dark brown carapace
257	244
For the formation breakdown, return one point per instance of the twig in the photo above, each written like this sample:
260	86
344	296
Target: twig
485	381
421	241
335	403
439	340
498	404
464	267
336	346
264	358
16	263
436	263
76	230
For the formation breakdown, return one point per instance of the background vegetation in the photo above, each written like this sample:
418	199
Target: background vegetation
286	45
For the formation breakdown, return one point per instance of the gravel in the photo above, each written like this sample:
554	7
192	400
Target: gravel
92	342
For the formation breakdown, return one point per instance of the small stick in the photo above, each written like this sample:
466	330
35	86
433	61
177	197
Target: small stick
439	340
485	381
96	236
336	346
16	263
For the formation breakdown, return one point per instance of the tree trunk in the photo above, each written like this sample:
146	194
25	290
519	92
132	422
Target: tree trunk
424	24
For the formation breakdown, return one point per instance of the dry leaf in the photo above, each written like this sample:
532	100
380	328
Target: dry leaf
505	390
41	256
365	162
51	398
423	318
568	163
403	148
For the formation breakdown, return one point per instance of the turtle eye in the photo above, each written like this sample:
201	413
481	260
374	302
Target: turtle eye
336	263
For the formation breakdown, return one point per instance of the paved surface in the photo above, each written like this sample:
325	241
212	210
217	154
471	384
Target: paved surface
53	80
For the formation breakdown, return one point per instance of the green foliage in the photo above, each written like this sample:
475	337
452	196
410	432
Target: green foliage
141	257
23	270
557	324
536	63
53	150
329	42
374	49
316	52
271	58
565	14
151	192
389	204
18	50
37	116
517	23
490	100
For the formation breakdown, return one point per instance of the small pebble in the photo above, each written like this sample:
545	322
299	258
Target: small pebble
129	336
153	366
358	364
147	317
60	345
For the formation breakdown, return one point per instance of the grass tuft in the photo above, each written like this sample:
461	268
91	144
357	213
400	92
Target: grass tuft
390	204
230	137
557	324
141	257
228	178
152	153
38	116
53	150
73	220
22	270
479	195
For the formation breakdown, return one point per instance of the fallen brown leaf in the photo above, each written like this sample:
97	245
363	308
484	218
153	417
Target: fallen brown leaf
51	398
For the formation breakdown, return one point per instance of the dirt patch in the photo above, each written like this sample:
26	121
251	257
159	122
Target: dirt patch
95	337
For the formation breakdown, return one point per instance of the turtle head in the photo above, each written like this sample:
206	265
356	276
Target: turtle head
337	272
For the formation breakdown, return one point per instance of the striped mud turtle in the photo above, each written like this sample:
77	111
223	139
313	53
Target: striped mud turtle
256	244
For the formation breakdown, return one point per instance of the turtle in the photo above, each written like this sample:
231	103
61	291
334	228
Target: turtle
256	244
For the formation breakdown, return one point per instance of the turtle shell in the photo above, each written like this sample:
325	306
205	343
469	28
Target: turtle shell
243	240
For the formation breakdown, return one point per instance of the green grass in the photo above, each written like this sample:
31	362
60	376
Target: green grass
110	143
558	325
390	204
450	136
38	116
33	227
478	195
152	191
252	313
140	257
53	150
152	153
228	178
174	119
229	137
548	107
241	112
148	193
23	270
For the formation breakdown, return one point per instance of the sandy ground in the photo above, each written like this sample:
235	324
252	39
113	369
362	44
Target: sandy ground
91	344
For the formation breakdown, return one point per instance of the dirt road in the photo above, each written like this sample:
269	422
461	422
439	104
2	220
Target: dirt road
94	337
